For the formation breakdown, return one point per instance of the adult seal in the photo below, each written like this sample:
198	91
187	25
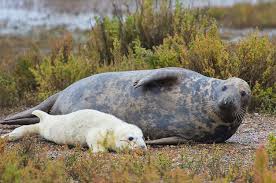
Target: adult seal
170	105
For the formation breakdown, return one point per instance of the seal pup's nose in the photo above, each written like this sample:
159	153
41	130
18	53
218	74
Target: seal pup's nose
143	147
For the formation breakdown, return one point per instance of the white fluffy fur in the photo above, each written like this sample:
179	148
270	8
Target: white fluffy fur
85	127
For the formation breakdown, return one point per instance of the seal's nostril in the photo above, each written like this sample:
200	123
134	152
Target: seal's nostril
243	93
226	103
224	88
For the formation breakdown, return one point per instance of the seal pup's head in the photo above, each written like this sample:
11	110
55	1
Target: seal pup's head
233	96
130	137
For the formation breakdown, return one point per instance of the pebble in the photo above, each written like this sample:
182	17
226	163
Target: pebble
256	114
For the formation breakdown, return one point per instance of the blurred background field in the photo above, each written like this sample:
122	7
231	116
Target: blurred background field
46	45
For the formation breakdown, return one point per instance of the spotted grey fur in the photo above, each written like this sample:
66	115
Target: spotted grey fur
170	105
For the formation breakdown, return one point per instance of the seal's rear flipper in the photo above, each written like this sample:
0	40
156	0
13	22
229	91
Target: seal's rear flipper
167	141
22	121
26	117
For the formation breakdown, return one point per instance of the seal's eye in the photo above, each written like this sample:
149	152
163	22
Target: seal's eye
130	138
224	88
243	93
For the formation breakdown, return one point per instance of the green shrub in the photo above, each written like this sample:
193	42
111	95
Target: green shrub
172	53
136	59
148	25
255	55
208	55
190	23
11	174
263	100
61	68
55	75
8	94
257	65
24	78
271	148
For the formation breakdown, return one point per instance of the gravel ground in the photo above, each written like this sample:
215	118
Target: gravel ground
239	148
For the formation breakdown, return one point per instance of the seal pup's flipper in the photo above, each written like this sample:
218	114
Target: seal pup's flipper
26	117
167	141
159	75
21	132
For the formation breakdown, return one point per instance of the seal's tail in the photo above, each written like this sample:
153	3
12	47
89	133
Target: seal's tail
26	117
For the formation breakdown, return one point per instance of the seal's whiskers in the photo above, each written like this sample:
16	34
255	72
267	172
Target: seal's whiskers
239	115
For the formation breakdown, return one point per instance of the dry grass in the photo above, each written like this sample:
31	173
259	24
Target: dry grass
33	160
36	160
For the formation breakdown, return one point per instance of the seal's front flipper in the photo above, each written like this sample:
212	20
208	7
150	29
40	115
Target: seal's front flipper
97	140
167	141
166	75
26	117
22	131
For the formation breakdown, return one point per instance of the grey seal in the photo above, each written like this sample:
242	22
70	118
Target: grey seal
170	105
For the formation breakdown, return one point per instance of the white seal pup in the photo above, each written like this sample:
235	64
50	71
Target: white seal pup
97	130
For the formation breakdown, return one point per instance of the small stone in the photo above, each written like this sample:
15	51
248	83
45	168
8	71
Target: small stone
53	155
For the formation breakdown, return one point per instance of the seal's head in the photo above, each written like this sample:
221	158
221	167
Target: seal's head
130	137
233	96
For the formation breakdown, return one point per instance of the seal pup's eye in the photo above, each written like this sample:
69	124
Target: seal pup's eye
243	93
130	138
224	88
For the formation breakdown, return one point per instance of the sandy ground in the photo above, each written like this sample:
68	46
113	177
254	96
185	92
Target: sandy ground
240	147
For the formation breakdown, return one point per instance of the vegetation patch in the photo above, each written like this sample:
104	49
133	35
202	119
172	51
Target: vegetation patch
30	162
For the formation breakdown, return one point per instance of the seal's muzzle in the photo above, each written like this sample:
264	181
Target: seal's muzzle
229	100
228	104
